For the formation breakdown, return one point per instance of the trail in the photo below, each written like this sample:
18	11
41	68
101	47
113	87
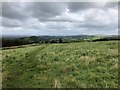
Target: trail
24	64
36	51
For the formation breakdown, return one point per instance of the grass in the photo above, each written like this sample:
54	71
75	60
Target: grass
76	65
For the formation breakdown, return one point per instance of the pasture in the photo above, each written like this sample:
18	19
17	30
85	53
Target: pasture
65	65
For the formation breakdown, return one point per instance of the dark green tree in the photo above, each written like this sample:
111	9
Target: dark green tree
60	40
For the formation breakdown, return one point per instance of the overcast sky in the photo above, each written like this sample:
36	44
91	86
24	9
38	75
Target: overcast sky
59	18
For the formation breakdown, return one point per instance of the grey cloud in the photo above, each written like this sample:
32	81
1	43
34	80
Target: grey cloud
10	10
119	15
45	10
58	20
50	18
56	25
77	6
0	8
6	22
112	4
96	25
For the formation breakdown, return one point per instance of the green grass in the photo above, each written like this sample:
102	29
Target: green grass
76	65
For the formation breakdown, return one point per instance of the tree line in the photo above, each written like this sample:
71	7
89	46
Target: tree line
24	41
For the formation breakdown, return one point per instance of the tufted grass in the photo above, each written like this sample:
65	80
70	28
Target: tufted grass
68	65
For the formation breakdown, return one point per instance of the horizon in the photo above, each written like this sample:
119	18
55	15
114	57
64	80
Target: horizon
53	35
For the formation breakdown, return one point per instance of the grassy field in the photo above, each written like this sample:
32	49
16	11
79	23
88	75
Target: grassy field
76	65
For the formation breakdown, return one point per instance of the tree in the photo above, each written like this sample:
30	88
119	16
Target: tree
60	40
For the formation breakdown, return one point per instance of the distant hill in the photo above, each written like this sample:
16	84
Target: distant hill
108	38
15	41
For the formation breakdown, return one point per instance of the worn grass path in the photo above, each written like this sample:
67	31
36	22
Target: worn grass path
24	62
83	65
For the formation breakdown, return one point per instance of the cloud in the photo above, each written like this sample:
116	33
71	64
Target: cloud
68	17
45	10
77	6
55	18
6	22
14	10
100	18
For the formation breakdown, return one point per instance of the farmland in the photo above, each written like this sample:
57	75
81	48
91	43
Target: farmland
64	65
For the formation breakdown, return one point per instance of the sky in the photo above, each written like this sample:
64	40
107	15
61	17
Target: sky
59	18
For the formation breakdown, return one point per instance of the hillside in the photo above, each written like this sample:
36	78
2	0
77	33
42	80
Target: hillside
71	65
17	41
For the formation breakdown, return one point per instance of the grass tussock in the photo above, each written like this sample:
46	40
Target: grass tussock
71	65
